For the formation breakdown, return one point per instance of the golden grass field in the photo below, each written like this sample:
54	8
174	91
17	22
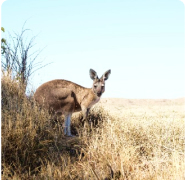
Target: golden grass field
128	139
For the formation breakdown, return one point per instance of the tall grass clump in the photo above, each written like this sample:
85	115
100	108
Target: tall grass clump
26	131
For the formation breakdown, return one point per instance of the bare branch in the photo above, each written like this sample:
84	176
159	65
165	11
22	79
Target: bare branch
19	58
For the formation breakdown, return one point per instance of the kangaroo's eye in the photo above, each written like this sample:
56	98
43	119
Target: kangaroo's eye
95	86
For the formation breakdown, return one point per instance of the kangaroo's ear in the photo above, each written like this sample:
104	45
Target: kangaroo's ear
106	75
93	74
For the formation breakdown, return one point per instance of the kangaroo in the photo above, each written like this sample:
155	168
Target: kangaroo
65	97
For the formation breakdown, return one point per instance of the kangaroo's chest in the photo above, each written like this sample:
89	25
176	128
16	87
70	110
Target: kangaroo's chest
93	102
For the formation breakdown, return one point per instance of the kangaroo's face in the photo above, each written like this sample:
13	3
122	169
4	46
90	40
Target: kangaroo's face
99	84
98	87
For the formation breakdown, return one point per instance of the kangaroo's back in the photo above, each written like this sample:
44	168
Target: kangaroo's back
56	94
47	88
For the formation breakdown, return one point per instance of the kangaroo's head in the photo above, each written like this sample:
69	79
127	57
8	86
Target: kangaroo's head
99	83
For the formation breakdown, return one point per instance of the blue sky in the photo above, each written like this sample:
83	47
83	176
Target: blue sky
141	41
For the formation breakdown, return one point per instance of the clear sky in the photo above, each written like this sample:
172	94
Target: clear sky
141	41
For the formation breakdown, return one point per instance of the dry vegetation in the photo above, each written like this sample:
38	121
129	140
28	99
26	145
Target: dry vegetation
128	139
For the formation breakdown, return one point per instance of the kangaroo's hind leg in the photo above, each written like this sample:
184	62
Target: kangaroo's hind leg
67	125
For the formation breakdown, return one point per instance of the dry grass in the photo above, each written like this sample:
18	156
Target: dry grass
128	139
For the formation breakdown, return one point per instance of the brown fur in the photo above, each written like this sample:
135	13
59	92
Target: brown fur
65	97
